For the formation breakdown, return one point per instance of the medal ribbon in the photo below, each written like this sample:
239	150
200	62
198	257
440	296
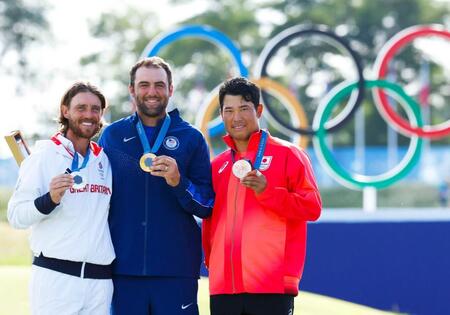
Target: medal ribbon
159	139
259	154
261	149
75	167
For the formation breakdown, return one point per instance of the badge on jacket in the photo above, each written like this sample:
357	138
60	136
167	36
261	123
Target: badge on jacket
265	163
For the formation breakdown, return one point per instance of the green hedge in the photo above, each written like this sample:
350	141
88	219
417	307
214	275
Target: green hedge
5	193
402	196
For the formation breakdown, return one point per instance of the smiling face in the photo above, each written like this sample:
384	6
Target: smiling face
83	114
151	92
240	118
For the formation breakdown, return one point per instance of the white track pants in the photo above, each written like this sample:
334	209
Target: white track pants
56	293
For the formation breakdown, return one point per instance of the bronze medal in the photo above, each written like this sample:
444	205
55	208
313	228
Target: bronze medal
78	180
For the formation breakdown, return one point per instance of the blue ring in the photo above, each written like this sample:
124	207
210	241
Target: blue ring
205	32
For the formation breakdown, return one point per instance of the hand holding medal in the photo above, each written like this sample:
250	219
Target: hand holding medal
167	167
72	178
242	169
255	180
58	186
148	158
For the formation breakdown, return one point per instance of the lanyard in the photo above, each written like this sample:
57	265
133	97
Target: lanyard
259	153
75	167
143	137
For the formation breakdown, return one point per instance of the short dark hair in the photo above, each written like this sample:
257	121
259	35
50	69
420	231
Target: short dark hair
151	62
240	86
78	87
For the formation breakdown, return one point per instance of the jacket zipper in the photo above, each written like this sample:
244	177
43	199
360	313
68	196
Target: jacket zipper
232	238
146	225
89	238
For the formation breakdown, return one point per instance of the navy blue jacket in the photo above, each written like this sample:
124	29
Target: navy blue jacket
152	224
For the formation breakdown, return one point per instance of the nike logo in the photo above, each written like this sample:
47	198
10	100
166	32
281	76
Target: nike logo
128	139
183	307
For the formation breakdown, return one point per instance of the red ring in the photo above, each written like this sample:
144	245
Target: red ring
385	56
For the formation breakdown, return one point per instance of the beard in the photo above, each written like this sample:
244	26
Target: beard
74	126
154	111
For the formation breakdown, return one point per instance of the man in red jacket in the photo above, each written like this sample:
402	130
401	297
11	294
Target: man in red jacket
265	190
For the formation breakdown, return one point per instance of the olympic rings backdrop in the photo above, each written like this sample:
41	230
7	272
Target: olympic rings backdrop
322	125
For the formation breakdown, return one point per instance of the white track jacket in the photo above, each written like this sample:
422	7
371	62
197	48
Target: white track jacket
77	229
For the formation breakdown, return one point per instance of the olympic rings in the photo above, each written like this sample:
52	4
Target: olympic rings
206	32
321	123
211	105
296	31
381	68
355	180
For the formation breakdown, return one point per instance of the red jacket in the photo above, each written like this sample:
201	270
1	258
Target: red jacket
256	243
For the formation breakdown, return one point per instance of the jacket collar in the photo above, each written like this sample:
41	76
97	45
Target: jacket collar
59	139
174	116
253	142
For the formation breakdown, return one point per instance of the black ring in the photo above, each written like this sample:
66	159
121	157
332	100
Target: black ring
281	39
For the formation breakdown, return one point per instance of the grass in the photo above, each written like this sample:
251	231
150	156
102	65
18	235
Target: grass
5	193
14	297
14	290
14	246
15	272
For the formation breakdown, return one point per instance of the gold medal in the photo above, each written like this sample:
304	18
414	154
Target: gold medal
241	168
146	161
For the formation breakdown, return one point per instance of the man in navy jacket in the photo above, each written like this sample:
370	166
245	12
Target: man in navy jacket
161	180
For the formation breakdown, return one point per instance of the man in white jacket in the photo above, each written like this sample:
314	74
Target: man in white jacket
63	194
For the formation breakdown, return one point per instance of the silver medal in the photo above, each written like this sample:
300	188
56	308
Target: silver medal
241	168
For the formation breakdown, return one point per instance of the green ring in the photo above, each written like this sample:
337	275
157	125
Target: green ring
354	180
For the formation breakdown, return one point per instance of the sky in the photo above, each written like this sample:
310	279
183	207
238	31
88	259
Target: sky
59	61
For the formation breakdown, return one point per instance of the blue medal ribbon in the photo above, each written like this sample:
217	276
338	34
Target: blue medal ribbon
259	153
159	139
261	149
78	179
75	167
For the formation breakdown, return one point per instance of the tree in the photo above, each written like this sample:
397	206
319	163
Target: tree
365	24
21	24
125	36
200	66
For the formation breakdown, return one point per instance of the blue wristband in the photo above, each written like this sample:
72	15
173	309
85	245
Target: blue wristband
45	204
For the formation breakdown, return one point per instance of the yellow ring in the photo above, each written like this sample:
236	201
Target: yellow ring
271	87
